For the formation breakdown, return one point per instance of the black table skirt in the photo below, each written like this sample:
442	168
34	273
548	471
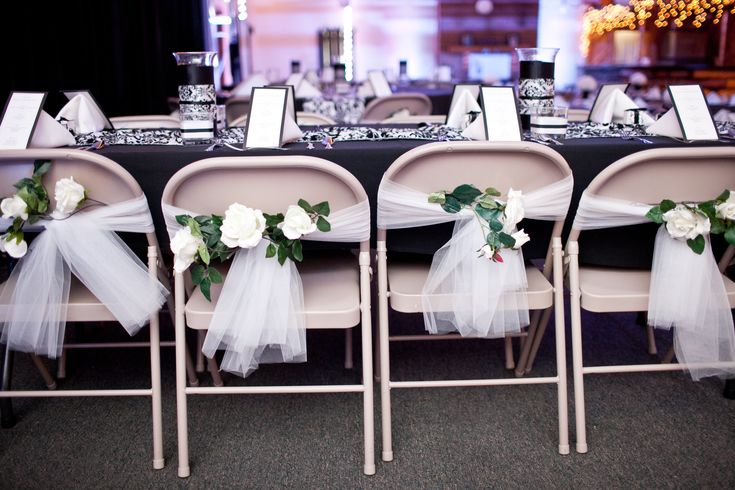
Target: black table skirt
152	166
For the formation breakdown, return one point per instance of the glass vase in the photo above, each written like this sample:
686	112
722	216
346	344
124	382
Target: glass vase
536	82
197	97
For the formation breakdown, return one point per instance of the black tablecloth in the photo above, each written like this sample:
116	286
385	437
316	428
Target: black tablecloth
152	166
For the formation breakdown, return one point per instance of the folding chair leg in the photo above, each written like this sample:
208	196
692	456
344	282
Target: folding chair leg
181	409
526	342
536	343
510	362
348	348
200	357
367	365
61	364
7	417
155	346
651	340
385	409
190	371
575	307
669	356
214	372
561	347
376	352
43	371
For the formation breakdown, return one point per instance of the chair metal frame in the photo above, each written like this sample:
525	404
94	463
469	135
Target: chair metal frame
481	156
273	167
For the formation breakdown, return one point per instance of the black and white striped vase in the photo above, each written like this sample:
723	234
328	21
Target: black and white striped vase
197	97
536	81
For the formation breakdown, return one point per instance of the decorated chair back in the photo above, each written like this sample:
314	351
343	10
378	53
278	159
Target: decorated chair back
236	107
384	107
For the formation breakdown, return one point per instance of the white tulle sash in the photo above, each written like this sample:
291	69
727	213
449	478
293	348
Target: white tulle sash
686	290
33	303
473	296
259	315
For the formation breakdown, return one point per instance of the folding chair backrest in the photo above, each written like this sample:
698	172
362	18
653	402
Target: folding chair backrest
443	166
384	107
236	107
679	174
105	180
267	183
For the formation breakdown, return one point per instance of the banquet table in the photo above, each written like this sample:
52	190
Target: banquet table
153	165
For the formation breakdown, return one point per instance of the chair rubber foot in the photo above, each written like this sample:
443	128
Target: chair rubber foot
581	448
194	384
519	373
158	464
369	469
387	456
52	386
183	472
564	449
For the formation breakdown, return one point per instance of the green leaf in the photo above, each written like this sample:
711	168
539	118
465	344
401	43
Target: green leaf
322	224
216	221
40	167
492	191
708	208
667	205
272	220
495	225
182	219
202	220
282	255
303	204
506	239
452	205
270	251
33	218
198	273
655	215
203	253
437	198
485	213
215	276
25	182
730	235
297	252
697	245
492	240
322	208
466	193
194	226
724	196
205	287
717	226
488	202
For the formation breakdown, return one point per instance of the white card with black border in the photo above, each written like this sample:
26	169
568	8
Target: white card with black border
693	113
266	117
19	119
381	87
500	114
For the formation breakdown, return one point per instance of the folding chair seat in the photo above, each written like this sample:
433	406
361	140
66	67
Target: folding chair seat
335	284
621	195
403	284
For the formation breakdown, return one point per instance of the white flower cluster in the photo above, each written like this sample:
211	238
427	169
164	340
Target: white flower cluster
684	223
726	210
242	227
513	215
68	194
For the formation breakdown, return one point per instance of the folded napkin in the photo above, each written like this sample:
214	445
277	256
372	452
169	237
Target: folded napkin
654	93
365	90
83	115
312	78
723	115
612	109
667	125
243	89
714	98
291	131
476	130
459	116
306	90
49	133
638	79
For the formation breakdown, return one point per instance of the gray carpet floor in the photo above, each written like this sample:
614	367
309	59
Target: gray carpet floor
658	430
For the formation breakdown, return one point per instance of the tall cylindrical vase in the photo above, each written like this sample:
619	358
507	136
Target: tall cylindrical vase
197	98
536	82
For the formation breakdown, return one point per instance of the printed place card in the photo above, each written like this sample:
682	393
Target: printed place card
693	113
19	119
381	87
266	117
599	105
500	113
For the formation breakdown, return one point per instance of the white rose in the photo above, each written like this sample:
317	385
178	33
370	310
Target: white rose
13	248
487	252
683	223
184	245
242	227
68	194
296	223
513	210
14	207
726	210
521	238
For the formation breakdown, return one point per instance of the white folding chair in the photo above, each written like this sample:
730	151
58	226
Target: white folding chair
412	119
107	182
145	122
313	119
639	181
384	107
336	288
430	168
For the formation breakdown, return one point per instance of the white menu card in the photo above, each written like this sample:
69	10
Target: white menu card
693	113
473	89
290	100
265	119
19	118
500	112
381	87
603	93
92	102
